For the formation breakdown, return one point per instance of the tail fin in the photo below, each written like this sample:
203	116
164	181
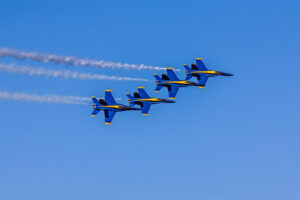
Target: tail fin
165	77
194	67
136	95
102	102
157	77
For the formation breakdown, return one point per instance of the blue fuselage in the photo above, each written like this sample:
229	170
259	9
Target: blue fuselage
117	107
177	83
208	73
151	100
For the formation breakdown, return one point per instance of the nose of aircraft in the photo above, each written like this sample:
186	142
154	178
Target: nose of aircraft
227	74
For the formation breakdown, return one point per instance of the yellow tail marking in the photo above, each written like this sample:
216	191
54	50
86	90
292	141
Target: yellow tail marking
93	97
93	115
199	58
141	87
201	86
108	123
145	114
170	68
172	98
107	90
155	91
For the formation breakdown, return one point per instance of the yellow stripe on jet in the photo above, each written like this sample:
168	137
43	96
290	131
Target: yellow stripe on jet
116	107
150	99
205	72
178	82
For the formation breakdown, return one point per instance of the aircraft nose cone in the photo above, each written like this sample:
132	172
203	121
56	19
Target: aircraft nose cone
227	74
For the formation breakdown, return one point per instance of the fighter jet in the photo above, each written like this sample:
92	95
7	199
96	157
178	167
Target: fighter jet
200	71
171	81
109	106
142	99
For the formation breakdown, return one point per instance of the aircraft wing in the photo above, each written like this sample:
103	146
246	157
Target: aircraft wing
202	80
143	93
109	115
145	108
171	74
200	64
173	91
109	98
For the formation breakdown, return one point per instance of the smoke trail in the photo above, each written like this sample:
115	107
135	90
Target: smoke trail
71	60
62	74
49	98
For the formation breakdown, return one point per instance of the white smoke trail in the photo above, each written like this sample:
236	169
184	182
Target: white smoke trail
12	68
71	60
49	98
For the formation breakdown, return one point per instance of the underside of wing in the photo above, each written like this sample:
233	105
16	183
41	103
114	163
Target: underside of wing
145	108
202	81
109	115
173	91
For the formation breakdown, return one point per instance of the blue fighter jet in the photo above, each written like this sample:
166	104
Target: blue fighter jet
142	99
200	71
109	106
171	81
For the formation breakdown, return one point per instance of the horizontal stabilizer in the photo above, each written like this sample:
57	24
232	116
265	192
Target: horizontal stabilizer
187	67
158	88
95	101
95	112
157	77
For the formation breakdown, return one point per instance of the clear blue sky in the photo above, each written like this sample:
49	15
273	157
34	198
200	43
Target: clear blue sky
236	139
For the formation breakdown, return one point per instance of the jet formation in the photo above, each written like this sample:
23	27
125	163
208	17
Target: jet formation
144	101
